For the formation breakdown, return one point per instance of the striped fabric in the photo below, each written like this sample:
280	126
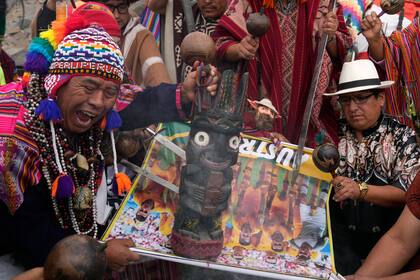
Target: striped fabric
402	64
151	21
89	51
19	158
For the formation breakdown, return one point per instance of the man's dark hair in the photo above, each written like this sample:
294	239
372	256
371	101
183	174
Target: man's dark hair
376	91
77	257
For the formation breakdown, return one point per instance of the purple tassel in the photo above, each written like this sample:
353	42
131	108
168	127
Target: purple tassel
37	63
113	120
48	110
65	188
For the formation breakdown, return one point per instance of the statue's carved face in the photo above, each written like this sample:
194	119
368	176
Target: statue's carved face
304	252
238	252
245	235
214	143
277	243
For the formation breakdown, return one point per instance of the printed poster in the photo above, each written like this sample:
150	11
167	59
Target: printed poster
269	225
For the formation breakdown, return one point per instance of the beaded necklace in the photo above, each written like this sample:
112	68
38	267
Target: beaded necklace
56	157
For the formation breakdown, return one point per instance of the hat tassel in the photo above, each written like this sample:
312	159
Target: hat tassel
111	121
48	110
63	187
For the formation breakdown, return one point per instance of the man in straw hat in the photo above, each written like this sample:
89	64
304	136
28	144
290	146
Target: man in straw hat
51	132
379	159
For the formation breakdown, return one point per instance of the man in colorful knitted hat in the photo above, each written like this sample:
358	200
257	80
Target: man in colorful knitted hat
51	134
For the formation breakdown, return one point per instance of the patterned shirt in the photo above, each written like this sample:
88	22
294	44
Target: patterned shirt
387	155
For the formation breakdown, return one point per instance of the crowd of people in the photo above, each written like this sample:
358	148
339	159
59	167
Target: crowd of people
103	71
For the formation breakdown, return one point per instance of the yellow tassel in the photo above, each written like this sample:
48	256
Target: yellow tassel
25	78
49	36
268	4
123	183
59	28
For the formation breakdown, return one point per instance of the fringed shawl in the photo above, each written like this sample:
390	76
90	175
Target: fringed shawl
402	64
19	157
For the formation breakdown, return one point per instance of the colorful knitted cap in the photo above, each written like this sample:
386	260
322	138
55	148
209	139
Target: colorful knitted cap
87	51
89	16
90	51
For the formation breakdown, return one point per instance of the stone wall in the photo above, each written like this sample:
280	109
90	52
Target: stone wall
20	14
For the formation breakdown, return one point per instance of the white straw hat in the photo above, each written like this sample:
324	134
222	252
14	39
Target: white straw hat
359	75
267	103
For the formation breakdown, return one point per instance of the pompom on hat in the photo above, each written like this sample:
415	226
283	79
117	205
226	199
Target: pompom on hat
42	48
94	13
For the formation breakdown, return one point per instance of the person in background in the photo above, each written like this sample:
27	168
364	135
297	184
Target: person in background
379	158
281	62
143	61
205	16
397	56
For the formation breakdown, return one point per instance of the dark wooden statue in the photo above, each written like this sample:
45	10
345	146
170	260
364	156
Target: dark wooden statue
206	178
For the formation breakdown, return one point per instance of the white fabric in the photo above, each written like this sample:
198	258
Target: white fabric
389	25
130	32
313	225
102	206
168	42
149	62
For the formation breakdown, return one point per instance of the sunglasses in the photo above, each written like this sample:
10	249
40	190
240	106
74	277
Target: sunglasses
357	99
122	9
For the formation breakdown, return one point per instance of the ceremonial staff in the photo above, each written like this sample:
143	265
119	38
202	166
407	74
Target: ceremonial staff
309	104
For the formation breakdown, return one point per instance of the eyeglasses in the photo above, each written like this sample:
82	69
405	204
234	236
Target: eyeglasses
122	9
357	99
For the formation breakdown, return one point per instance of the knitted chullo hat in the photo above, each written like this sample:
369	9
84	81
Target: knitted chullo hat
94	12
75	48
86	52
90	51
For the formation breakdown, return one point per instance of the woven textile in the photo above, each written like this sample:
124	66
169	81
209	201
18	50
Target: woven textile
89	51
19	158
402	64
